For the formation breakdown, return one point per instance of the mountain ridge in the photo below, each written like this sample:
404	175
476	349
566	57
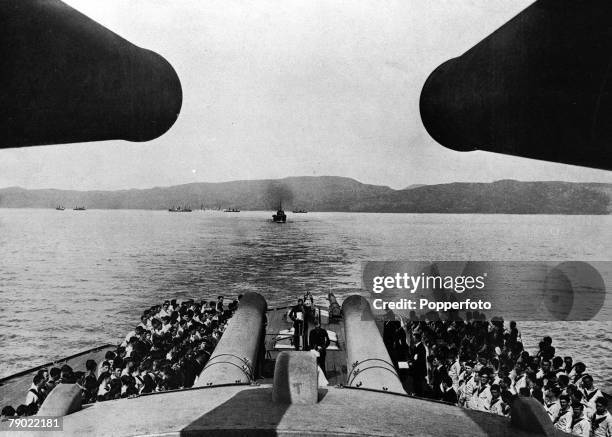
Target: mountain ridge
335	193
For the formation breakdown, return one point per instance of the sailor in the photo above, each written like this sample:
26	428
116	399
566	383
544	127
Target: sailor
419	365
298	316
483	393
455	369
34	395
137	332
580	425
105	367
591	394
190	320
547	350
309	303
91	366
577	373
135	373
544	369
437	374
601	420
319	341
495	377
537	394
148	384
448	391
466	384
103	385
551	404
521	377
128	386
114	390
117	371
219	306
211	308
165	311
166	325
90	383
558	366
54	376
505	384
507	399
66	375
144	322
563	421
563	382
131	346
496	404
471	395
515	335
578	396
130	367
7	412
156	329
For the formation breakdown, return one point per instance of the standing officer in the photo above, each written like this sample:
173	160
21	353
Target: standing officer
298	315
319	341
419	366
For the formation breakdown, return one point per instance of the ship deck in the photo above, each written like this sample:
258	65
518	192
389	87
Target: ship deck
240	410
14	388
244	409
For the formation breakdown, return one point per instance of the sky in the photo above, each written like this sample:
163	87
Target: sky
289	88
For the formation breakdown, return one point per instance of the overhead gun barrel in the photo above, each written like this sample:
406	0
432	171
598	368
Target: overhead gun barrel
66	79
538	87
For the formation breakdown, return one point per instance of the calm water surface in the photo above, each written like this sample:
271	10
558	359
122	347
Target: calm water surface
73	280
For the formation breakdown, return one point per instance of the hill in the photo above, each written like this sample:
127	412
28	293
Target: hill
330	193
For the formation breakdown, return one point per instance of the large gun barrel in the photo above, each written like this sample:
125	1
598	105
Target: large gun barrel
66	79
538	87
235	358
368	362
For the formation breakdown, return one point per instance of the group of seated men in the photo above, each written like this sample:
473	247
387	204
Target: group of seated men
167	350
482	365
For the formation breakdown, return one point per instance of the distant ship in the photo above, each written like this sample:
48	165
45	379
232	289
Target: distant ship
78	208
59	208
180	209
299	211
231	210
280	216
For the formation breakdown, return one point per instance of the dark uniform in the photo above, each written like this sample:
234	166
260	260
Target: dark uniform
219	306
419	369
298	315
319	340
450	396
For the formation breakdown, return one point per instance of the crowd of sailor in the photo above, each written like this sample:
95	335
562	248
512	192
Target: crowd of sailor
167	350
483	366
479	365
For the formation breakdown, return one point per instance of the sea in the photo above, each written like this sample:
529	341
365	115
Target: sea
74	280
